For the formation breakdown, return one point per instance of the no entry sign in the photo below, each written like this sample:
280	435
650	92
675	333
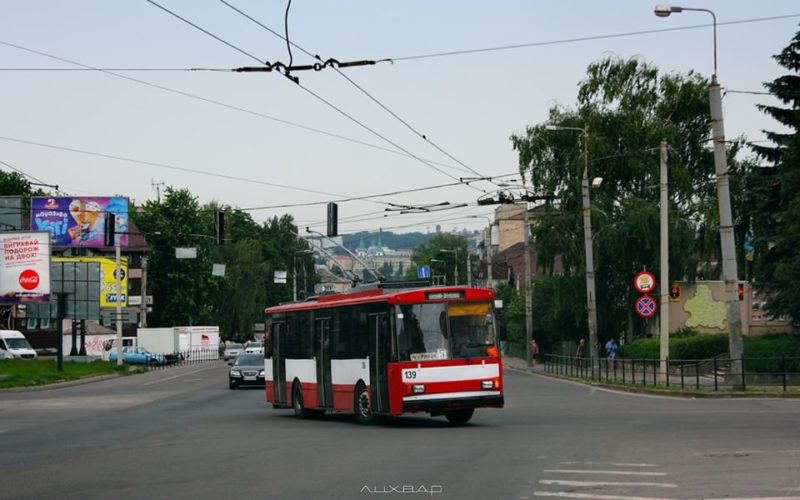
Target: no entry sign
645	306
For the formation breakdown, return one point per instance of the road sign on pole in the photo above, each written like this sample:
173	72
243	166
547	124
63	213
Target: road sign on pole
645	306
644	282
423	272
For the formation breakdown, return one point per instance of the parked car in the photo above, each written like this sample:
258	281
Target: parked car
248	369
13	344
137	356
232	349
254	348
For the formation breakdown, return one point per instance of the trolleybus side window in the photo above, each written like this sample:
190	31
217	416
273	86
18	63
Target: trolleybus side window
350	333
422	332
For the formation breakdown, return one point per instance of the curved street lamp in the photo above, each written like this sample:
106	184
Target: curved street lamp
591	302
730	272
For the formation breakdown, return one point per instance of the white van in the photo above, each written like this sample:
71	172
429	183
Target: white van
13	344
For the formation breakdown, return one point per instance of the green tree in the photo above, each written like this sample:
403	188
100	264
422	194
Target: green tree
627	107
15	184
183	289
776	206
444	253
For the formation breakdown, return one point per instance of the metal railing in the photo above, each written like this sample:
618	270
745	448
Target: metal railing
713	374
190	357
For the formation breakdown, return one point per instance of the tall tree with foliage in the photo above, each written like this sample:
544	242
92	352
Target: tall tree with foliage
445	253
627	107
776	223
183	289
185	292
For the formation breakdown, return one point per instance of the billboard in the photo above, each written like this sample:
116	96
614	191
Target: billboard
108	280
79	221
25	268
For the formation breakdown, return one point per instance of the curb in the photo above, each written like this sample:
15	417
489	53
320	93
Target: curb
656	392
59	385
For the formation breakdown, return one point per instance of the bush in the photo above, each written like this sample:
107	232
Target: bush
762	354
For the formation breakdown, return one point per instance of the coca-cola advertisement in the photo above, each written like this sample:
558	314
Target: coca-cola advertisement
25	268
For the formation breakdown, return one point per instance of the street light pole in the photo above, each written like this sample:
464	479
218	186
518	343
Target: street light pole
455	265
591	301
664	298
729	268
488	250
528	290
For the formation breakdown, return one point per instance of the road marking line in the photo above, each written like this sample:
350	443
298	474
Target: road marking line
176	376
756	498
604	483
612	463
590	495
611	472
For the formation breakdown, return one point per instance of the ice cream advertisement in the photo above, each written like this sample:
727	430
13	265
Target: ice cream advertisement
79	221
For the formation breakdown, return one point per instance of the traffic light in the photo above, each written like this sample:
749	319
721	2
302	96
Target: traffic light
333	219
219	226
741	291
675	293
109	231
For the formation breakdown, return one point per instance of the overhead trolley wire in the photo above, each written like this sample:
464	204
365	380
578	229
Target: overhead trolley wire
217	103
356	85
587	38
328	103
167	166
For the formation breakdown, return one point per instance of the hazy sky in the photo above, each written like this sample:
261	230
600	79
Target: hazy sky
468	105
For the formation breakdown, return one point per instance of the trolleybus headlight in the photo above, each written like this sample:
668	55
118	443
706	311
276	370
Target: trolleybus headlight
487	384
418	389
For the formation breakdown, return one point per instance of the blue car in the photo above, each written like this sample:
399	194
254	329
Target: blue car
137	356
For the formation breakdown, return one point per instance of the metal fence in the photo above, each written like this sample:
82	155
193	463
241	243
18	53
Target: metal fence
191	357
719	373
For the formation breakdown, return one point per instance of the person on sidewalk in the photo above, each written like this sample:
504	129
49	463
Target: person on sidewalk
611	351
501	336
579	352
534	351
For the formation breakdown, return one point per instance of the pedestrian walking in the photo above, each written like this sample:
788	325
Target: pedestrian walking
501	336
534	351
579	352
221	349
611	351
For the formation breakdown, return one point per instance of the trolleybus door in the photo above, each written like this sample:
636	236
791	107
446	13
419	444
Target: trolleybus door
322	351
278	362
379	358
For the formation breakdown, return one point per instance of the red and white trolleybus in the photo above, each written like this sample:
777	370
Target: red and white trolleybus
385	351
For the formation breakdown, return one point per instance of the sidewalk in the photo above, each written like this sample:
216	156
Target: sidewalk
521	365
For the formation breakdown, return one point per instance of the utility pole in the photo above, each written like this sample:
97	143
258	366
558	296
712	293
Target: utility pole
118	275
528	291
469	271
664	299
143	310
729	268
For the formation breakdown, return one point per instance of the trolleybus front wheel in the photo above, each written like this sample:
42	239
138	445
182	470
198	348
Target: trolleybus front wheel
361	405
459	417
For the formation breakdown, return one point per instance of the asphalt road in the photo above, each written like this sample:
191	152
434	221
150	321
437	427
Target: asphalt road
180	433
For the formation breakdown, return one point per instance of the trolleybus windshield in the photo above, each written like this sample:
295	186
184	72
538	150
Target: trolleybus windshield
438	331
